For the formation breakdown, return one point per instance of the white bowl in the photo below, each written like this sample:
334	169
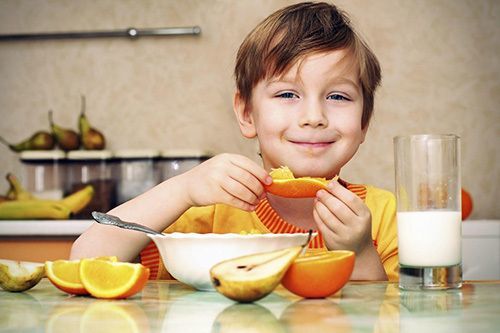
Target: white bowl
189	256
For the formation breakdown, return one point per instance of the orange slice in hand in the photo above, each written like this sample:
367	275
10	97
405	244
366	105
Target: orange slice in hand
65	275
105	279
319	275
286	185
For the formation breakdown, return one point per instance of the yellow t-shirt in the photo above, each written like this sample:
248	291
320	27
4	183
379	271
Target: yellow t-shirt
222	218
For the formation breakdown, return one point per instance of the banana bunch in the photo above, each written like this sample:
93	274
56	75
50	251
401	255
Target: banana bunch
20	204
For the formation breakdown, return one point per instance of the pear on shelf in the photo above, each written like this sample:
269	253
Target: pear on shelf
252	277
66	139
91	138
40	140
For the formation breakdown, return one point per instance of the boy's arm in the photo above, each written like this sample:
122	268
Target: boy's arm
156	208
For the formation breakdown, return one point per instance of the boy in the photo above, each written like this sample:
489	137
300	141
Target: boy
305	89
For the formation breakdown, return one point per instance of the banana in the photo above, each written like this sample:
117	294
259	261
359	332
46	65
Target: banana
79	199
33	209
16	190
20	204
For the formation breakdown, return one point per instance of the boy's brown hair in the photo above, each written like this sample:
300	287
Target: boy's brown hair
293	32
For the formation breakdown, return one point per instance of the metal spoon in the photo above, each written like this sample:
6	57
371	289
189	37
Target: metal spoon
117	222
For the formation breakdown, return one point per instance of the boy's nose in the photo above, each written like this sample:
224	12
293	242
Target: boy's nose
314	116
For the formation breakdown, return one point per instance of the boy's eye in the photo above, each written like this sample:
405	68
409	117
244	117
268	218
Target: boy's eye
338	97
287	95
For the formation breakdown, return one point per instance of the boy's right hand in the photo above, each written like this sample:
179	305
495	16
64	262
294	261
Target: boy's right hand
230	179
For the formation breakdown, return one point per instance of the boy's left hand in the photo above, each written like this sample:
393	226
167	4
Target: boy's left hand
343	219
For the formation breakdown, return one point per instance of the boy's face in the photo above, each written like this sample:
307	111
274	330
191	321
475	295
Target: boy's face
309	119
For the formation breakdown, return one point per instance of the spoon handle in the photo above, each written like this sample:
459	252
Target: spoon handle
117	222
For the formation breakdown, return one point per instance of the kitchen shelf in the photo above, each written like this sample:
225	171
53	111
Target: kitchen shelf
49	228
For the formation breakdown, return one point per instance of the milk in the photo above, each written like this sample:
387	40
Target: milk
429	238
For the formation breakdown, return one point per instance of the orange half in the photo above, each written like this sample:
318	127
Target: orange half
319	275
286	185
105	279
65	275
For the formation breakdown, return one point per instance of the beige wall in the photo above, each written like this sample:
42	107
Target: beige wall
439	57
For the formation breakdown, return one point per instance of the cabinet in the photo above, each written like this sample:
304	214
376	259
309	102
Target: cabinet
39	240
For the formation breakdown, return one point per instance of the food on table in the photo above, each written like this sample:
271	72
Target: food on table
250	232
90	137
252	277
106	279
318	275
66	138
286	185
65	275
20	275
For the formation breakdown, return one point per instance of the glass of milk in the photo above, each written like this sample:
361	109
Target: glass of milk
428	211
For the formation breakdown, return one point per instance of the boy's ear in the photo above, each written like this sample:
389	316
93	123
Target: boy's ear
244	116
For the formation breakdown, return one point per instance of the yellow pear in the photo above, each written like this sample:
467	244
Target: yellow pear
252	277
20	275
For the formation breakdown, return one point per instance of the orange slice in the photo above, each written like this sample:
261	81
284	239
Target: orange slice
105	279
65	275
286	185
319	275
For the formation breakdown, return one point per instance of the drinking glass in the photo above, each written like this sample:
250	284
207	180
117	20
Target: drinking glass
428	195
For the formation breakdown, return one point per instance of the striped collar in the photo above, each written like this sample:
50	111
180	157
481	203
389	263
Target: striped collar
275	224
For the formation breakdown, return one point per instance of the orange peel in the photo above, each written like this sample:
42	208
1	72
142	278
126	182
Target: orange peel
286	185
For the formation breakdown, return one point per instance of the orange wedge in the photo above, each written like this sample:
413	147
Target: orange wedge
65	275
319	275
105	279
286	185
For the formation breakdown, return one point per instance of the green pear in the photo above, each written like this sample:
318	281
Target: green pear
91	138
67	139
20	275
252	277
40	140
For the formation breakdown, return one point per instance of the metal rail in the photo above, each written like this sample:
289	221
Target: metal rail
131	33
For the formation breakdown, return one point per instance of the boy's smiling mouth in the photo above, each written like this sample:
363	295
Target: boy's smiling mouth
312	144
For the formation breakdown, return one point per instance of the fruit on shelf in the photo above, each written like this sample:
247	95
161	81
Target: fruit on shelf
20	275
16	190
33	210
78	200
90	137
66	138
20	204
41	140
286	185
252	277
319	275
